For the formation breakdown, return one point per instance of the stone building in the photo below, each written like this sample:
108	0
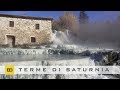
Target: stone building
19	30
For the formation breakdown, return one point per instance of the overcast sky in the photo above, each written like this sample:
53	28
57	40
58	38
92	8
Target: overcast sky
93	15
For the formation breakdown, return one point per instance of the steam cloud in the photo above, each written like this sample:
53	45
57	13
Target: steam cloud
101	35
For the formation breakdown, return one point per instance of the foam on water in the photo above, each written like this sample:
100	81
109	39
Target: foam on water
61	40
80	62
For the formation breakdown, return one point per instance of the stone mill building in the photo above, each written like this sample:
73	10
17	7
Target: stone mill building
19	30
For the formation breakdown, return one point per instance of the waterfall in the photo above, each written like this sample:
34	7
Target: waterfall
61	38
64	50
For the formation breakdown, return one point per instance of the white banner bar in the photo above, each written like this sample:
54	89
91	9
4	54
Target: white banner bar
59	70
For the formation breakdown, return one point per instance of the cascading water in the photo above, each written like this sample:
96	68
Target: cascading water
65	40
63	50
61	38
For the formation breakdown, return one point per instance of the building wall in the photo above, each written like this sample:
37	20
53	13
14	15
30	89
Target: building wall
24	29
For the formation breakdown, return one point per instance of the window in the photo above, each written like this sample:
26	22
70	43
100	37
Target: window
33	39
11	23
37	26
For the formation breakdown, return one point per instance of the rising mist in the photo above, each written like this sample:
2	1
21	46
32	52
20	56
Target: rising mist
99	35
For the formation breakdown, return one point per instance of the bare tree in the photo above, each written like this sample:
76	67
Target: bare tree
67	21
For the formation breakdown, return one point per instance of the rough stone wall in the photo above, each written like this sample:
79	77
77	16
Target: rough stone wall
24	29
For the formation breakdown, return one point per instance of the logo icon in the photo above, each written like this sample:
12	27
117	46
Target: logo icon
9	69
